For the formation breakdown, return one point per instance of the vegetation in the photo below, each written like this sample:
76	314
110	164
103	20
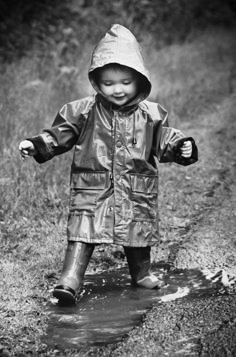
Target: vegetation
45	49
44	21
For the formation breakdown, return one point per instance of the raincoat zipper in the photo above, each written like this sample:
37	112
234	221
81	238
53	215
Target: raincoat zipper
113	129
134	140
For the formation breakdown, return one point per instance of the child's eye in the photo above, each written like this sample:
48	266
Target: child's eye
107	83
126	82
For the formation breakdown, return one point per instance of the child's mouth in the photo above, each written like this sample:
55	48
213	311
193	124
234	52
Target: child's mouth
119	98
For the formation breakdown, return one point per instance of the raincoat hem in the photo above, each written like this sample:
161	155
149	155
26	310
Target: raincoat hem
90	241
116	242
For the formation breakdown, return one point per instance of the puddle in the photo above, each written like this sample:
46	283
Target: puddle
110	307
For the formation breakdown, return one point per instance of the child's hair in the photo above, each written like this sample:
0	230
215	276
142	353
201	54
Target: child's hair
116	66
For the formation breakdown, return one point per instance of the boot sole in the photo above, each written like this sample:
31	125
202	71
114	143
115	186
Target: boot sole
65	296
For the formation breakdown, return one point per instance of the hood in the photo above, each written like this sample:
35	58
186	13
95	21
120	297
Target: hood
120	46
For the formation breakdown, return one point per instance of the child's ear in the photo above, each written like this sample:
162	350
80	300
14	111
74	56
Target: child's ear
95	85
95	77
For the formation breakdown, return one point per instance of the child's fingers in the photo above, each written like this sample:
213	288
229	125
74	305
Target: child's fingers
26	144
187	144
24	154
186	154
186	149
26	148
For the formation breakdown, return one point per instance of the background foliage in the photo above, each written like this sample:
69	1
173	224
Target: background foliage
24	24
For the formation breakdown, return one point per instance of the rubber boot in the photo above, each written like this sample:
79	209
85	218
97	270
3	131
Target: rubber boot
70	283
139	261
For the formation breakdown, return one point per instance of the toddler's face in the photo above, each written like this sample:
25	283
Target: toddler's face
119	85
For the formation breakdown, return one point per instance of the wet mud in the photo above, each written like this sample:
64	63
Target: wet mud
110	306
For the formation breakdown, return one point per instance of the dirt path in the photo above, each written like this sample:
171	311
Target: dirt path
210	241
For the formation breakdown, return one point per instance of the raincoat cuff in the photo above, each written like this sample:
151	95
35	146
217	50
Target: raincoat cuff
179	159
42	151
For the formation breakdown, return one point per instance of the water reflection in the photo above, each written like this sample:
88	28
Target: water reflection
110	307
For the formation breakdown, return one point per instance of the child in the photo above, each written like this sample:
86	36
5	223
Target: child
117	136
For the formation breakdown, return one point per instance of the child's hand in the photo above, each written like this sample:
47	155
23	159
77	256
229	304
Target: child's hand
27	149
186	149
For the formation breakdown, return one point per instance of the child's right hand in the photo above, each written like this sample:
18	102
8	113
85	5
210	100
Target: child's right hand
27	149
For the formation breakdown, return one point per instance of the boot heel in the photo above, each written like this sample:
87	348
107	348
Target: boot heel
65	295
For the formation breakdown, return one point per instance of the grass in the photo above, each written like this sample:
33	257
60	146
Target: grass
34	198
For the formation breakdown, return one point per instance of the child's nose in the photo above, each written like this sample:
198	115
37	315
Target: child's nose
117	88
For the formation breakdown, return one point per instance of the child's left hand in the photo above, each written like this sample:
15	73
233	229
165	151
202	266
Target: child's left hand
186	149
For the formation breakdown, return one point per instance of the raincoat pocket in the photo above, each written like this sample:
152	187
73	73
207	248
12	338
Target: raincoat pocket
144	194
85	190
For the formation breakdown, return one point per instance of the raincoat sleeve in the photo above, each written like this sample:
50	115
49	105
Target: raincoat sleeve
63	134
168	142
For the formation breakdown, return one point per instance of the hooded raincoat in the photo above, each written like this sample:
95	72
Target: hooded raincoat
114	173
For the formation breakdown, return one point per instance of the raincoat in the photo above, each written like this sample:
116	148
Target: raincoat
114	173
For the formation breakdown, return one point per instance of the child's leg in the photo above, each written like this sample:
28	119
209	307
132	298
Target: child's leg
76	261
139	261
